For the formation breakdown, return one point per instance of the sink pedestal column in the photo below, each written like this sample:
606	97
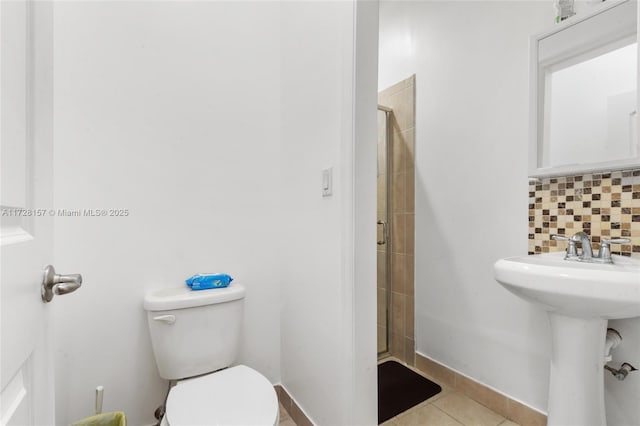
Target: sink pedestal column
576	388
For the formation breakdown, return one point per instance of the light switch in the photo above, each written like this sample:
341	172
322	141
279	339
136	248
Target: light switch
327	182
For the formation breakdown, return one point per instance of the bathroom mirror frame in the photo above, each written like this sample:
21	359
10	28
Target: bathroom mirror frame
537	92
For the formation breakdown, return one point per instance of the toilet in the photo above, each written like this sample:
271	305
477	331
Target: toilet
195	337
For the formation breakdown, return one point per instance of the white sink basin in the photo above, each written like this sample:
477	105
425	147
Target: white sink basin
579	298
579	289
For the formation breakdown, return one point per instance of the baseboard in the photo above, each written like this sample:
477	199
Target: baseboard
293	409
490	398
498	402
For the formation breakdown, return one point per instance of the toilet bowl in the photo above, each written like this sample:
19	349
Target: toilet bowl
195	337
235	396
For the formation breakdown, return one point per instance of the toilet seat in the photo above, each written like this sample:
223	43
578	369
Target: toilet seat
234	396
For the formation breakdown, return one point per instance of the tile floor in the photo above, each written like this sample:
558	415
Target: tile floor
285	418
448	408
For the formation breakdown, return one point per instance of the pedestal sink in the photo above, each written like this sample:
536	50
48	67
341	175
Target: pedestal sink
579	298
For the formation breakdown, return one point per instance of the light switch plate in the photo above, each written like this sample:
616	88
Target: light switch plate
327	182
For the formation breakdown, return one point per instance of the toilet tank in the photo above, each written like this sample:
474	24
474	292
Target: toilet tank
194	332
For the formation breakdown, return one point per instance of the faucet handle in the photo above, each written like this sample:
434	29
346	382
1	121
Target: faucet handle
605	251
572	252
616	241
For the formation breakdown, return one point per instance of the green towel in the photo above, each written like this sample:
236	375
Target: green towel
117	418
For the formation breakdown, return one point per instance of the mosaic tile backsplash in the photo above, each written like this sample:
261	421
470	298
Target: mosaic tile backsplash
604	205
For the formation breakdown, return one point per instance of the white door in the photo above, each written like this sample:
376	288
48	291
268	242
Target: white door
26	373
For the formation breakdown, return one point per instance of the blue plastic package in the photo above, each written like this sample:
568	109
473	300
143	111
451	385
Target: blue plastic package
207	281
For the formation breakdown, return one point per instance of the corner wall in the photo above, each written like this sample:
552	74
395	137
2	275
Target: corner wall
328	282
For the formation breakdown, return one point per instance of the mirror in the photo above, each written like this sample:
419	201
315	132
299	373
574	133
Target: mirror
584	98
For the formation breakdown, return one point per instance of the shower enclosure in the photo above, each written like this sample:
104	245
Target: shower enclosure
384	229
396	220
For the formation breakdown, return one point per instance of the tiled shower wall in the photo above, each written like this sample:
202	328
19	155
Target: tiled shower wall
401	98
604	205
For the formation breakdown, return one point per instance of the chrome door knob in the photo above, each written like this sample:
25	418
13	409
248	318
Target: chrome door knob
58	284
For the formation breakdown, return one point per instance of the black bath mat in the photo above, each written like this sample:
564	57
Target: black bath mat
399	388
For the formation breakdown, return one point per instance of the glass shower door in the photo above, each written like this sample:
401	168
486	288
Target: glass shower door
383	232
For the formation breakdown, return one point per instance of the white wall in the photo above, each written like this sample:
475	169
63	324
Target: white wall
169	110
363	343
317	294
471	65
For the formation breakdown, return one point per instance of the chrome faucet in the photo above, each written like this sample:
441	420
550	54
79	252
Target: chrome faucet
583	238
604	254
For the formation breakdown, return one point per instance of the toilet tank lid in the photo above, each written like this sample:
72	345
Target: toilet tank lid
165	299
